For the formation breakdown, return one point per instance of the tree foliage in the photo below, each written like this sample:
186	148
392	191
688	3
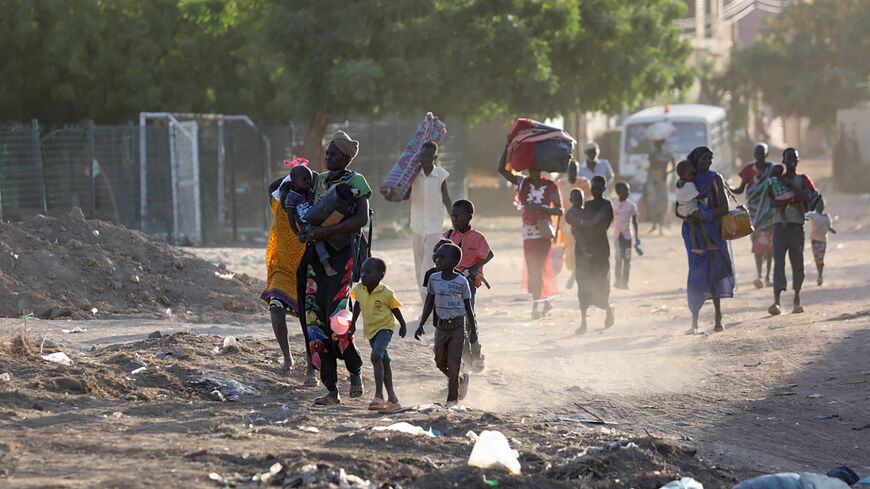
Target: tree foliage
811	61
310	60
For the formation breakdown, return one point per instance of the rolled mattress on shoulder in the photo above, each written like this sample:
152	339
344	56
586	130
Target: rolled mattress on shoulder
398	181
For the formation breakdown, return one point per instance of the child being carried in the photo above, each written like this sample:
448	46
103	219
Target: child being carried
299	200
689	201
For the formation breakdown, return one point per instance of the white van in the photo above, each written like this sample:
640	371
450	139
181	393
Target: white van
696	125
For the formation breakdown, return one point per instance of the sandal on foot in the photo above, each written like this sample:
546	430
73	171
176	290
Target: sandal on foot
390	406
692	330
758	283
377	404
311	380
774	310
327	400
356	391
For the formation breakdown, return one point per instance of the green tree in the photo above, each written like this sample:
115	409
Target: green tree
811	62
468	59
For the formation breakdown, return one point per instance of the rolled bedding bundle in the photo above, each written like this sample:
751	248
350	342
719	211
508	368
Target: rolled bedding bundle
533	144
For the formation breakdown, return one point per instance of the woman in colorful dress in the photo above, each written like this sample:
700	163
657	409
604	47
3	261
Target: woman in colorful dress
711	274
754	179
540	200
323	296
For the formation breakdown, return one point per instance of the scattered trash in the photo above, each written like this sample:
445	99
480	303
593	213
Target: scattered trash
792	479
310	429
94	310
225	389
225	276
493	483
113	416
58	357
471	436
77	329
5	377
865	482
136	361
134	279
231	344
432	464
492	451
155	335
138	370
814	396
405	427
684	483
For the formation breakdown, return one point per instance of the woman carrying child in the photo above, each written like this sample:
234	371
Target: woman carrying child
592	254
323	296
755	179
711	275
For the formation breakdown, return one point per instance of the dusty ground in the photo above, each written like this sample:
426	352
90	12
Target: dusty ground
787	393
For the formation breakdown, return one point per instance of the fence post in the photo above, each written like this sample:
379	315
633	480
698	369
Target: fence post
267	176
38	150
234	216
221	185
92	181
131	150
173	182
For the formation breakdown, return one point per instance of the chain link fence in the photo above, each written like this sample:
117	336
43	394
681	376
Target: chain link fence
195	181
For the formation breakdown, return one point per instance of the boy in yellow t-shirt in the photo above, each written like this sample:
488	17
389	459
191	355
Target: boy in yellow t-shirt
378	306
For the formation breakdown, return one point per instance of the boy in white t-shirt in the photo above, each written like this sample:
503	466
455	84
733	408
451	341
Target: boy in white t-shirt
624	217
820	224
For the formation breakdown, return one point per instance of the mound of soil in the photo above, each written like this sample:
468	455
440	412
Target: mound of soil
82	269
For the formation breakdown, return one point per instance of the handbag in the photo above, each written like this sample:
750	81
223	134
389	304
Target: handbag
736	224
545	226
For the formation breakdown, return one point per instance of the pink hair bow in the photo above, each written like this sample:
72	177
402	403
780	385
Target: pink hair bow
298	161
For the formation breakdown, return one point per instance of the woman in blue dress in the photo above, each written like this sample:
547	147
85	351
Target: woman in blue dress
711	274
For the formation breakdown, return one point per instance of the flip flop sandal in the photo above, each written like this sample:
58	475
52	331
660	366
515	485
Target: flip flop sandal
389	407
356	391
377	404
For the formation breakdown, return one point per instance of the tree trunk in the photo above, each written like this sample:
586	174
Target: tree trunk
312	148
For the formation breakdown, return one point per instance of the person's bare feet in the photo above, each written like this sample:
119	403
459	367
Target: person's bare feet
758	283
581	330
288	365
330	398
774	310
546	309
608	320
310	377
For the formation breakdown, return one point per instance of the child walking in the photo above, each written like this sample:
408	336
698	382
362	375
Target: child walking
448	293
475	254
624	217
299	200
820	224
378	306
688	198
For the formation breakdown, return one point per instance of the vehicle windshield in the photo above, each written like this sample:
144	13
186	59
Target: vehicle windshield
687	136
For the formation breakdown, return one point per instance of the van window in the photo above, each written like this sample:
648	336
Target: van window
687	136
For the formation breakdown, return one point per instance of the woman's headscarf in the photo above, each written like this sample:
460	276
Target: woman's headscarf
349	147
696	154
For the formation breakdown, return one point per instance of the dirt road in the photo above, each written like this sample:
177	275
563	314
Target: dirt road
786	393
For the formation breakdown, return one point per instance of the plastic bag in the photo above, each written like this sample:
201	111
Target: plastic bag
492	451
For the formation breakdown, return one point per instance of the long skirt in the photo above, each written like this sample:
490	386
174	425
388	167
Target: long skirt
540	277
322	297
711	275
593	279
283	254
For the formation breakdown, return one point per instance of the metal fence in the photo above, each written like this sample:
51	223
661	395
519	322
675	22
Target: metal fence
199	181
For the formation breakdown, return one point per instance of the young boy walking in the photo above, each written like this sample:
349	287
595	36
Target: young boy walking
820	224
378	306
475	254
624	218
448	293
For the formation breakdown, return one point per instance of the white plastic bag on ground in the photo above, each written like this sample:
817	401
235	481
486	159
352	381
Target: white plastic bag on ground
492	451
58	357
684	483
404	427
